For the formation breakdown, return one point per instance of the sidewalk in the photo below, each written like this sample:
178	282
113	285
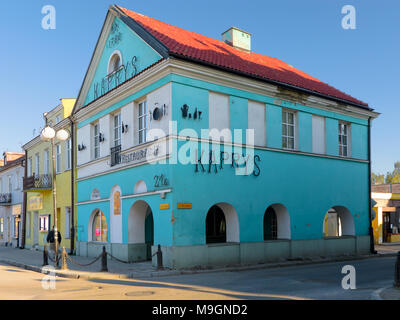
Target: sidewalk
33	260
389	293
388	248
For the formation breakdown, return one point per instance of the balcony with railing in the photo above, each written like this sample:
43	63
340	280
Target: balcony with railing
39	182
5	198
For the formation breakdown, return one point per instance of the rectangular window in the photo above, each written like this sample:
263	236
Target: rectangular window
46	162
37	165
68	159
318	135
117	130
58	158
29	167
1	225
343	139
67	223
288	130
44	223
142	118
10	184
96	141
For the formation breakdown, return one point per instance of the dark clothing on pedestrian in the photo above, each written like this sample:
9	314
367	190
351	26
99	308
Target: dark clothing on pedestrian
50	237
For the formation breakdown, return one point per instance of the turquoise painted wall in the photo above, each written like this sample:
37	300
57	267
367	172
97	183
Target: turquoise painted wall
359	135
274	126
332	137
126	180
307	185
130	45
239	115
305	131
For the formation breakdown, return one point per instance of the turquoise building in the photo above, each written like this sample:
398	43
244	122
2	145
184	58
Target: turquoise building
218	154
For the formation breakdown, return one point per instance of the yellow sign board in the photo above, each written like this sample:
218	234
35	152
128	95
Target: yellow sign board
117	203
35	203
184	206
164	206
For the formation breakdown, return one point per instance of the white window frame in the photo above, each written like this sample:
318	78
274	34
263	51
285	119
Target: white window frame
142	121
10	190
30	167
44	223
117	129
37	164
58	158
344	148
96	141
286	125
46	161
110	65
68	154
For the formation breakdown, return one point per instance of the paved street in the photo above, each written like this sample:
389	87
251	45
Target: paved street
317	281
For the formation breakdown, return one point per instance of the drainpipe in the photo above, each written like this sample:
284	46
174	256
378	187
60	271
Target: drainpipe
72	233
23	232
371	231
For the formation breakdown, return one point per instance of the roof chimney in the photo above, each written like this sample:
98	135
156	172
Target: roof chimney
237	38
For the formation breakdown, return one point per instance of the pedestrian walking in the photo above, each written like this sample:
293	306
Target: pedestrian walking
50	239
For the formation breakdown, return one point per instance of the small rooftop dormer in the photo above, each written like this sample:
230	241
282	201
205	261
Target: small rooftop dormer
10	156
237	38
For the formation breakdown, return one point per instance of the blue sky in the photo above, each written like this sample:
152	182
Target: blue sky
41	66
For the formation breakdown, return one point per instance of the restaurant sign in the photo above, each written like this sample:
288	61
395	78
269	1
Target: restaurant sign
35	203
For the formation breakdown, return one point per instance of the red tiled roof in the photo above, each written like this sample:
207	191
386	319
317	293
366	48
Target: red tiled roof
201	48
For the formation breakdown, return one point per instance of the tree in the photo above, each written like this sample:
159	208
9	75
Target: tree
394	176
377	178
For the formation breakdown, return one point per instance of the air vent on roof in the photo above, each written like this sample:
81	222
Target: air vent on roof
237	38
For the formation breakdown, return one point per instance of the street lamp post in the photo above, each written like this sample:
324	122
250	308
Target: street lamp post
49	134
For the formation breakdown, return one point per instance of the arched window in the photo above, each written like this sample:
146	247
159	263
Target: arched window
99	229
115	62
140	187
215	225
270	225
276	222
338	222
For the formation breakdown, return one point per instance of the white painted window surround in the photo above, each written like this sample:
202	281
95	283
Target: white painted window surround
257	121
115	62
289	129
344	139
219	111
318	135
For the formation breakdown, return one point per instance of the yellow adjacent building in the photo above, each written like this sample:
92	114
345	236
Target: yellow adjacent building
38	182
386	223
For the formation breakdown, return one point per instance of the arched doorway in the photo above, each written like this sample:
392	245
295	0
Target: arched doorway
276	222
141	225
149	231
215	225
222	224
338	222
